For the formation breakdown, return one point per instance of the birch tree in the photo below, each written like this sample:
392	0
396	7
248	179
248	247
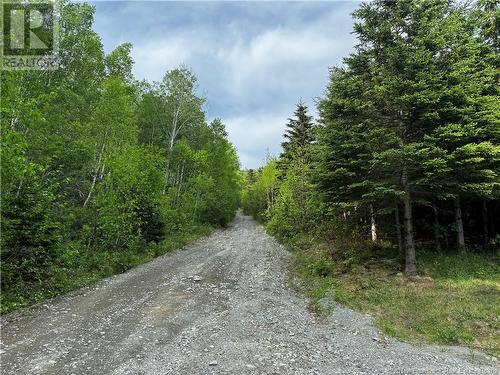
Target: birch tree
184	109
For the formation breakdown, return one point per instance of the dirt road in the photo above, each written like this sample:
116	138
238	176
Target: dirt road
219	306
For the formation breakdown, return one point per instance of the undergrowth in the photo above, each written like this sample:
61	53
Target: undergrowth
455	300
83	268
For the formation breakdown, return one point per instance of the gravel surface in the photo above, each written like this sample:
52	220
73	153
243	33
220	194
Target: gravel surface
219	306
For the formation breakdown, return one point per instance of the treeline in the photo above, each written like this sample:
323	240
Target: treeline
406	150
100	171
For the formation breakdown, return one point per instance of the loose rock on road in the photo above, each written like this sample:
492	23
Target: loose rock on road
219	306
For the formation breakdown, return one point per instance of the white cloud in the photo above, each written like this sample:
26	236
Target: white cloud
281	57
261	132
155	57
253	66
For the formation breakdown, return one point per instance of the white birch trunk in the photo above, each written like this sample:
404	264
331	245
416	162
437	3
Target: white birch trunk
96	172
373	225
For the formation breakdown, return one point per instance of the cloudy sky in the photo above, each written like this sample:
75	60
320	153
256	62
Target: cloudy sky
254	60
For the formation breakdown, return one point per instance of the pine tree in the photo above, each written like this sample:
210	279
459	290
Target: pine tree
413	73
298	135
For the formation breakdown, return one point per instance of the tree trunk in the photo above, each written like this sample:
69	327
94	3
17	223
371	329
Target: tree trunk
446	238
398	230
172	136
92	186
96	172
20	185
13	122
485	223
437	233
101	174
179	183
460	225
167	163
410	261
373	225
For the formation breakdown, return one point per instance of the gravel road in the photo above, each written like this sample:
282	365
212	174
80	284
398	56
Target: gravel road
219	306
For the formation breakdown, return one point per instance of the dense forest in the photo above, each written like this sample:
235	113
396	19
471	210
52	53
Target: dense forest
406	150
100	171
390	200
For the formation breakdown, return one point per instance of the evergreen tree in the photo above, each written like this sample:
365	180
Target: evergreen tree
298	135
397	93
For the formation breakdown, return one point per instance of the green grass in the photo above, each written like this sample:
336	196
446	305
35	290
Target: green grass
455	301
87	268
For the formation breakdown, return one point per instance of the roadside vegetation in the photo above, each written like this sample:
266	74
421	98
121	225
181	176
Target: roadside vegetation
101	172
455	300
390	199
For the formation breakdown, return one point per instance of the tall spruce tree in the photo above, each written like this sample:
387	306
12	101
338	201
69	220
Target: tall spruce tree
411	75
298	135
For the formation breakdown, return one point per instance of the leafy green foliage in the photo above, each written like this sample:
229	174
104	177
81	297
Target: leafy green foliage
259	192
297	207
101	172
